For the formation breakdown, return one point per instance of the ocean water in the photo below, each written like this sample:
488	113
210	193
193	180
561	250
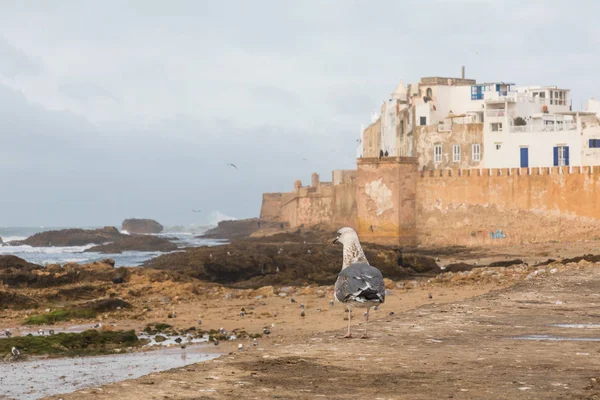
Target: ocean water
186	237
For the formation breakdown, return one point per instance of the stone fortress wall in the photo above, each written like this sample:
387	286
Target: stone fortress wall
390	201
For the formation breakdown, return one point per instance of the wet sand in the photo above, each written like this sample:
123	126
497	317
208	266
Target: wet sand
493	345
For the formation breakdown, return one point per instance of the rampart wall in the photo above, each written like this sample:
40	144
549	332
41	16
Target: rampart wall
501	206
389	201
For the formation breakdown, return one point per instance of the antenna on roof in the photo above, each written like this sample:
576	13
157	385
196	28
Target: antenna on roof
463	72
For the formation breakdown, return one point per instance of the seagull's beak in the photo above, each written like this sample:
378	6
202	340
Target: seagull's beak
335	241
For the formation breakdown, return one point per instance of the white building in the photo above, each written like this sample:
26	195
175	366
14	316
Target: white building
531	126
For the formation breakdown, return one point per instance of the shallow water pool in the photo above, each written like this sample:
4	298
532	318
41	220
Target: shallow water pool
34	379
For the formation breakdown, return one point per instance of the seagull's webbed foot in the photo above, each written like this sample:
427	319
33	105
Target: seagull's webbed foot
365	336
348	335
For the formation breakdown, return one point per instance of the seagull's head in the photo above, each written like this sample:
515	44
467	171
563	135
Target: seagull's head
346	236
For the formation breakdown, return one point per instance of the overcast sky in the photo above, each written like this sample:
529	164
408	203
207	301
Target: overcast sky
115	109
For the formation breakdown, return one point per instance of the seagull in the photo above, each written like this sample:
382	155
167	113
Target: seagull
302	306
240	347
199	322
15	352
292	300
358	284
254	342
232	165
302	314
242	314
41	332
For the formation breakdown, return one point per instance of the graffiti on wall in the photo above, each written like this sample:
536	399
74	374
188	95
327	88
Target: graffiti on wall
498	234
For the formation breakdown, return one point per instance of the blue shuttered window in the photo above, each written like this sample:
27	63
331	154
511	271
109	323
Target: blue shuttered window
594	143
561	156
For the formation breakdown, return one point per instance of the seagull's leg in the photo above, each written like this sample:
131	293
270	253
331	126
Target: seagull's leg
348	335
364	336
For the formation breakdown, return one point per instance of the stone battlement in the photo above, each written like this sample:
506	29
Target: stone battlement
589	170
390	201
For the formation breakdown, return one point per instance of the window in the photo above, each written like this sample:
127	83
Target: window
429	93
498	146
496	126
476	92
476	152
423	121
594	144
561	156
437	153
456	153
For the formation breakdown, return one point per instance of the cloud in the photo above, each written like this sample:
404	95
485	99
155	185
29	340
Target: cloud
15	62
112	110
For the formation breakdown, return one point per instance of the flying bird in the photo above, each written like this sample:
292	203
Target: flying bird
232	165
196	210
358	284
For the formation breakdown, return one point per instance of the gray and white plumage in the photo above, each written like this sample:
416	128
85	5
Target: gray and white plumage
358	284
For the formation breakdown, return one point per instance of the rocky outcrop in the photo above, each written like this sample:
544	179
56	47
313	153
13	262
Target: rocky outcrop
237	229
135	243
141	226
71	237
16	272
286	259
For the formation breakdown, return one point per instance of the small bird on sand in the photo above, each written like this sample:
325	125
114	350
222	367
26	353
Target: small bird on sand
358	284
292	300
199	322
302	306
222	331
331	303
254	342
240	347
242	314
302	314
15	352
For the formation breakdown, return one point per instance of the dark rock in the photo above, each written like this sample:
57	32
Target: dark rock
16	272
106	305
16	301
237	229
144	226
71	237
135	243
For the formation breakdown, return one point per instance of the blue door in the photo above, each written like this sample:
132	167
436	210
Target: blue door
524	157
